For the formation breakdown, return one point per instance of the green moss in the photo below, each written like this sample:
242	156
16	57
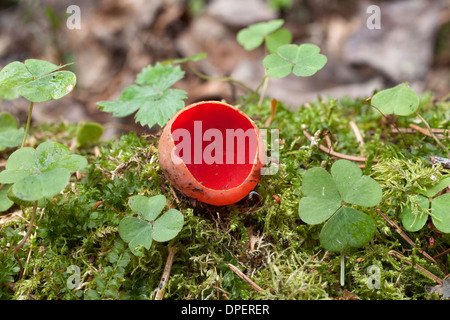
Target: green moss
285	259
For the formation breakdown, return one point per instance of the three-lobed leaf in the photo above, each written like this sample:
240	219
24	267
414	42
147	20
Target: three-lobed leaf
304	61
151	97
325	197
42	172
415	215
36	80
153	226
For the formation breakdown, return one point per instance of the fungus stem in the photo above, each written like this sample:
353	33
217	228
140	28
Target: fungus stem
342	278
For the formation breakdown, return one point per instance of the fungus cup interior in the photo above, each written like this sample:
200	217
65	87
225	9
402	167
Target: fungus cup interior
217	143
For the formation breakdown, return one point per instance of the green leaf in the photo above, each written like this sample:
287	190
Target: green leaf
139	232
400	100
10	135
304	60
347	228
321	198
414	219
440	210
40	173
5	202
151	97
44	185
325	196
88	132
353	186
277	39
253	36
136	232
432	191
168	225
37	80
148	208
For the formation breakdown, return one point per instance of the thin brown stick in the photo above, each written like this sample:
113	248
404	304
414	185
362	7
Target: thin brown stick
336	154
399	256
357	133
244	277
165	275
404	236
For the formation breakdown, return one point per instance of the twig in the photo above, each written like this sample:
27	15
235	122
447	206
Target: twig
425	271
404	236
432	134
357	133
25	238
244	277
336	154
165	275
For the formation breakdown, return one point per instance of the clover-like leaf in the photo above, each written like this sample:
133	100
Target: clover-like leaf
37	80
400	100
414	218
148	208
151	97
141	232
347	228
354	187
253	36
321	198
10	135
42	172
277	39
304	61
136	232
325	196
440	209
5	202
88	132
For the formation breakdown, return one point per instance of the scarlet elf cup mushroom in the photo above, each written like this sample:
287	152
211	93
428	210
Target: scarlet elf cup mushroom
212	152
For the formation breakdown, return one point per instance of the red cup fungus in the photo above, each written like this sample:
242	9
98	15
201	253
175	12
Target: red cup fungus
212	152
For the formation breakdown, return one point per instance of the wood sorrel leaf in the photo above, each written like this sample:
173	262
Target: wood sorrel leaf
148	208
413	219
42	172
277	39
400	100
37	80
10	135
136	232
89	132
151	97
253	36
5	203
347	228
140	232
353	186
321	198
304	60
168	225
440	210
